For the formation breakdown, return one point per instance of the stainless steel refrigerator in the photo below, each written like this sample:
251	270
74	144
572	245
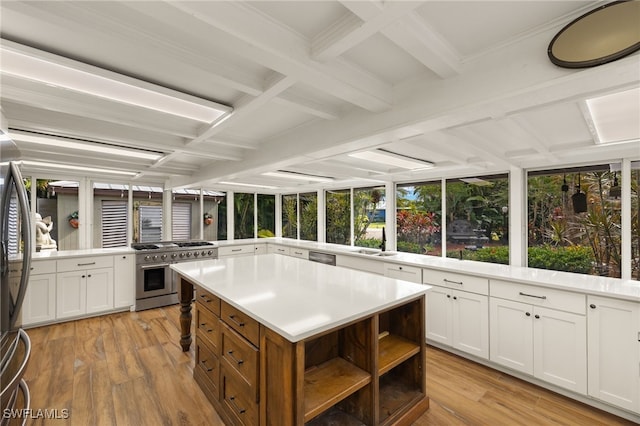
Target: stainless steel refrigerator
15	264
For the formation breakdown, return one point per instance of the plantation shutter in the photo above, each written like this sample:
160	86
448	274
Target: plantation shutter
114	223
150	223
181	221
13	226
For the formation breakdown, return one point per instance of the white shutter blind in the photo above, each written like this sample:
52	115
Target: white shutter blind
181	221
114	223
150	223
13	226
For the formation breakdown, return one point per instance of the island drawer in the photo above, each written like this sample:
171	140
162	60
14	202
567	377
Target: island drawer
540	296
208	327
240	356
456	281
208	300
238	400
240	250
83	263
43	267
207	365
403	272
241	322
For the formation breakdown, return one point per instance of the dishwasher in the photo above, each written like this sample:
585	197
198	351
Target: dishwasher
326	258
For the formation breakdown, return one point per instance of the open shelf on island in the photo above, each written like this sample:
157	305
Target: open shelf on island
333	417
393	350
329	383
396	395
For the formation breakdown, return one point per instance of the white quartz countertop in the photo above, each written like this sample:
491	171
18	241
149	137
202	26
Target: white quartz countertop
64	254
294	297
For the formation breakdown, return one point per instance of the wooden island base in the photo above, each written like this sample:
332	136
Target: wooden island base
368	372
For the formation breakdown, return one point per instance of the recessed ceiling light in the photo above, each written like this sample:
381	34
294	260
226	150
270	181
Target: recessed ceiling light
298	176
101	148
615	117
53	71
389	158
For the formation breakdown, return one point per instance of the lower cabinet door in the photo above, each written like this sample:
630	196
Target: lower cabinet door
470	323
238	399
438	315
99	290
560	348
511	335
40	300
71	294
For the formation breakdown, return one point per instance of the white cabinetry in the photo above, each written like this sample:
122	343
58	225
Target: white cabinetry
40	298
360	263
458	311
540	331
260	249
614	351
239	250
403	272
278	249
298	252
124	280
84	286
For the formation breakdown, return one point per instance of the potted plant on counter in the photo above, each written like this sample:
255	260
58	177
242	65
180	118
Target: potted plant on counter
73	219
208	219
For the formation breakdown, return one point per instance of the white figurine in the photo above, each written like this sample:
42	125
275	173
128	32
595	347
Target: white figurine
43	236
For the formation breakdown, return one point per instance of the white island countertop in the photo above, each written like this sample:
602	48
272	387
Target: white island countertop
294	297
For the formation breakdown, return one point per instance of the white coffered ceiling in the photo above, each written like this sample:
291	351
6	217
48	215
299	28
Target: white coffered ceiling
465	85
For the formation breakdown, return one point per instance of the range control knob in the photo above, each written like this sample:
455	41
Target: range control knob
155	257
174	255
210	252
147	257
189	254
204	253
164	256
196	254
181	255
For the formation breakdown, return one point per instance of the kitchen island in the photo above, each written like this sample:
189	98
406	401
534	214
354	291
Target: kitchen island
285	341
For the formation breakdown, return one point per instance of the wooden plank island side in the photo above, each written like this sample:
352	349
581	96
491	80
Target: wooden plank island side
368	370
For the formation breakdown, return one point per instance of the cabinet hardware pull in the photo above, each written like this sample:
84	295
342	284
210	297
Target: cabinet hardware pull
236	249
89	276
205	298
162	265
537	316
400	268
204	364
448	295
592	306
85	264
208	330
452	282
532	295
83	276
528	314
238	361
240	410
455	297
238	323
298	252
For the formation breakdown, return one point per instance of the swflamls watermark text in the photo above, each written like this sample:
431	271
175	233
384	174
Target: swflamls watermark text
32	413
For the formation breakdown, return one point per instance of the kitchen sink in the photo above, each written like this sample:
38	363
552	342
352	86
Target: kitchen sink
368	251
386	254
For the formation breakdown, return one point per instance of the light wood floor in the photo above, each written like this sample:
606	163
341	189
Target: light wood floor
128	369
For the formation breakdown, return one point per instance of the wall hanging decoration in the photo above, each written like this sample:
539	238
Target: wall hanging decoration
208	219
579	199
602	35
73	219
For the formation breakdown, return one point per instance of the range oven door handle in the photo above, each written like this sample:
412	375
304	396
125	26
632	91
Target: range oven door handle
161	265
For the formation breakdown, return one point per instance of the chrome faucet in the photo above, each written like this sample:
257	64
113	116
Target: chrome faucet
383	245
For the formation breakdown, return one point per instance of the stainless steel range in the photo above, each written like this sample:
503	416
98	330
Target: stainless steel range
155	281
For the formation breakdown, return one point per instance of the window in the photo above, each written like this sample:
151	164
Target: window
222	220
243	208
574	220
368	216
214	205
309	216
477	218
57	201
635	220
181	221
113	224
147	214
418	218
290	216
110	215
266	215
338	214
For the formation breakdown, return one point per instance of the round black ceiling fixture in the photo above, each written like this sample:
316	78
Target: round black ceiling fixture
602	35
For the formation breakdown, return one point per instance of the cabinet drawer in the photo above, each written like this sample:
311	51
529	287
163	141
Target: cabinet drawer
83	263
457	281
43	267
403	272
242	323
260	249
366	265
208	300
208	327
280	250
207	364
242	357
238	401
301	253
539	296
236	250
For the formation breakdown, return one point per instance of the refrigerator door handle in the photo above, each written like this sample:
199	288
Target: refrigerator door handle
21	191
